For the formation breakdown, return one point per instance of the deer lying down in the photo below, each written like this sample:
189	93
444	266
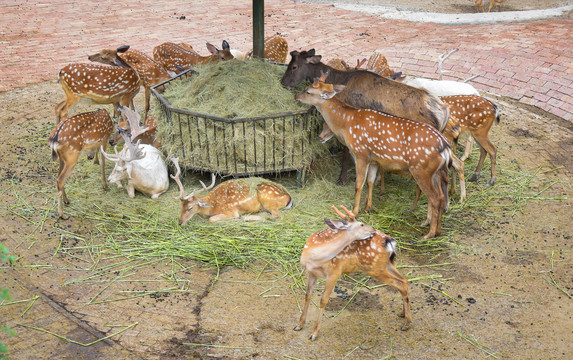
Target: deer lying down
348	246
232	198
142	166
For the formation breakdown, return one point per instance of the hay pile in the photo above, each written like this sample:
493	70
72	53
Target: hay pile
225	120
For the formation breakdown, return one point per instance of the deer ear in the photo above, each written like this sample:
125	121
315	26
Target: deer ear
203	203
212	49
328	95
226	45
336	224
122	49
310	52
314	59
338	88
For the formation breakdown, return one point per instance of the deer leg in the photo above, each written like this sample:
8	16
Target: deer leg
394	279
371	178
309	288
482	154
361	170
345	162
102	164
130	189
467	148
487	146
459	167
381	178
64	196
431	186
147	100
221	217
65	172
418	193
328	287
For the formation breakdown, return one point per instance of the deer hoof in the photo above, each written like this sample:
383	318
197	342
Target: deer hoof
312	337
64	217
474	177
341	182
297	328
405	327
490	183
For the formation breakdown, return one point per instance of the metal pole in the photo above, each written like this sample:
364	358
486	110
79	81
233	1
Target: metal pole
259	28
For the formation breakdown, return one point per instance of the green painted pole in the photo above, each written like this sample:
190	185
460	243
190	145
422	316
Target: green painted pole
259	28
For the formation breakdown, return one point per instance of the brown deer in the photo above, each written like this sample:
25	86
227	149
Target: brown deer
347	246
232	198
145	134
86	131
150	72
177	59
477	116
101	83
399	145
479	5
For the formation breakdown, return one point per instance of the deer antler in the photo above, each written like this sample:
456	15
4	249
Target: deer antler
441	59
175	177
210	186
114	158
133	118
134	152
359	63
350	213
322	78
338	212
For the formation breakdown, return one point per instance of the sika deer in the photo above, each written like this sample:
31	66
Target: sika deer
86	131
232	198
395	144
477	115
150	72
479	5
175	58
100	83
345	247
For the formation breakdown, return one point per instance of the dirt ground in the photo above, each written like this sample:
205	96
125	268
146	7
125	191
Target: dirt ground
493	294
451	7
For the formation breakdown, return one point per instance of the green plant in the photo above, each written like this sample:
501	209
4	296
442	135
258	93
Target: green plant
4	256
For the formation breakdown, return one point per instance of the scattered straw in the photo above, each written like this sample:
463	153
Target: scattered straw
77	342
472	340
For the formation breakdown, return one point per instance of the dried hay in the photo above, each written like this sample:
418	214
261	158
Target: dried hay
225	120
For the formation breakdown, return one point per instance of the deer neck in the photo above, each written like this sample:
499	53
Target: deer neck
321	252
337	115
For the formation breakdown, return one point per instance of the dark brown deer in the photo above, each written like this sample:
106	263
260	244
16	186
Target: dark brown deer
367	90
103	84
82	132
399	145
347	246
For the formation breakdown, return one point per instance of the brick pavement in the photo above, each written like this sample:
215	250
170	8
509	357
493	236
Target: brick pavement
531	62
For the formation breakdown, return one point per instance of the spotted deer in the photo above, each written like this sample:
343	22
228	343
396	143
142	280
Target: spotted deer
476	115
81	132
399	145
150	72
232	198
175	58
347	246
479	5
103	84
377	63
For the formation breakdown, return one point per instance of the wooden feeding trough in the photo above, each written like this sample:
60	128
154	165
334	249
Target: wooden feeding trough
237	146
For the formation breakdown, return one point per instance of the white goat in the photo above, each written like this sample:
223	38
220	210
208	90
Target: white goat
142	166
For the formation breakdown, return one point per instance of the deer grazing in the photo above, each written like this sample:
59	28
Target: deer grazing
142	166
175	58
232	198
394	144
347	246
477	115
150	72
479	5
81	132
144	134
103	84
367	90
275	50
